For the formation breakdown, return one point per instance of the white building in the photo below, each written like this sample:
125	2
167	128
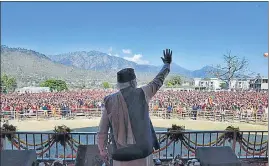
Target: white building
33	89
187	83
240	84
207	84
259	83
214	84
264	84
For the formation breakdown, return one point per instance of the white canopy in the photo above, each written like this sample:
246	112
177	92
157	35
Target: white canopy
33	89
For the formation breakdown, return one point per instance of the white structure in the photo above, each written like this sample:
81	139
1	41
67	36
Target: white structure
207	84
182	88
187	83
213	84
33	89
260	83
264	84
240	84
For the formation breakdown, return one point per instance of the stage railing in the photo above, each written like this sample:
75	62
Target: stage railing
51	146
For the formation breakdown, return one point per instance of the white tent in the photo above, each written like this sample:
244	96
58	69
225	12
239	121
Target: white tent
33	89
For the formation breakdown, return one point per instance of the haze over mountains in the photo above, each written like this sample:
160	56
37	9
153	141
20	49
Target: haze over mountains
78	67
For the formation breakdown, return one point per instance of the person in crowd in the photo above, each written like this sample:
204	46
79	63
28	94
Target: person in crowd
194	111
45	109
222	112
169	111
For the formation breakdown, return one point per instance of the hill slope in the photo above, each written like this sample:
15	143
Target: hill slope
29	66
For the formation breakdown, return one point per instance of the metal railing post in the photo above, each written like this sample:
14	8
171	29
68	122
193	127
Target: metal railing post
234	140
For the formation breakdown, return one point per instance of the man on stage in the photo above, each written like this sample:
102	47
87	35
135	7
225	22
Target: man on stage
126	114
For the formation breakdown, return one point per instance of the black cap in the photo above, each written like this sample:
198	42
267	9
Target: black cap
125	75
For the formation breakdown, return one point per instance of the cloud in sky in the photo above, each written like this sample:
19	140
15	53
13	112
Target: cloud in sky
116	55
137	58
127	51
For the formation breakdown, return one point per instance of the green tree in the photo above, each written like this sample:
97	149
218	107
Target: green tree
223	85
106	85
55	85
174	81
169	84
8	84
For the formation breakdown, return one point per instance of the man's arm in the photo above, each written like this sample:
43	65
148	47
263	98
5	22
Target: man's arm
151	89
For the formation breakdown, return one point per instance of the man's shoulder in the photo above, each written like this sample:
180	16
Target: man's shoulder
108	97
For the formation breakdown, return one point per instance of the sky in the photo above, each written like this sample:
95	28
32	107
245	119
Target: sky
199	33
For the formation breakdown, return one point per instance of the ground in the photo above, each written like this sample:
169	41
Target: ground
47	125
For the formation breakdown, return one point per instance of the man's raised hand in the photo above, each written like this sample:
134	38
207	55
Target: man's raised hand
167	56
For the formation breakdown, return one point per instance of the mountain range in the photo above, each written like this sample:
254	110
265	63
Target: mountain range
98	61
78	67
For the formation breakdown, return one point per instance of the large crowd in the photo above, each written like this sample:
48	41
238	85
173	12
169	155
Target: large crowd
168	100
214	101
53	101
